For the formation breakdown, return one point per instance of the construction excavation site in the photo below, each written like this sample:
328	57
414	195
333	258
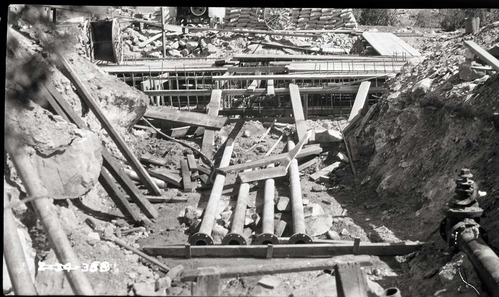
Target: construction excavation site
243	151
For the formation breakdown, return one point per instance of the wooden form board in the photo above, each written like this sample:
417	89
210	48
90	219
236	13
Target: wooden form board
185	117
360	100
301	125
387	44
283	250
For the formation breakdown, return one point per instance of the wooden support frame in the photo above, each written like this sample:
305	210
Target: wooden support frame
296	76
122	146
285	250
114	170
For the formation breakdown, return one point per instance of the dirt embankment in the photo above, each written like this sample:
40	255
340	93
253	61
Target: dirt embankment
440	116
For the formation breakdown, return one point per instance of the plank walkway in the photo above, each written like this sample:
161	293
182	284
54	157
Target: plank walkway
387	44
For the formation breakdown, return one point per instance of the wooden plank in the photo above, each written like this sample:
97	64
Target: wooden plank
387	44
185	117
113	168
354	148
285	250
150	159
264	91
301	125
122	146
325	171
307	164
209	135
360	100
351	124
191	160
146	42
270	87
170	176
483	54
161	199
275	267
350	280
366	119
186	176
306	151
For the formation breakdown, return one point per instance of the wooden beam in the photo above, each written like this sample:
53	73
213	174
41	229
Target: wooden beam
209	134
284	250
150	159
161	199
366	119
122	146
170	176
350	280
301	125
360	100
191	160
270	87
113	168
483	54
274	267
146	42
325	171
306	151
185	117
187	183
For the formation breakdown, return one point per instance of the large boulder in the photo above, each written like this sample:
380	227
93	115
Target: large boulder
120	103
67	159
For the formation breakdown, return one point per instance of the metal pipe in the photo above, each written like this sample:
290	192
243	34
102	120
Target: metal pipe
235	237
299	235
203	236
267	236
15	260
52	226
485	261
391	292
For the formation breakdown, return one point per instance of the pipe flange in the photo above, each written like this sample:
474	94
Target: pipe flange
234	239
200	239
266	238
300	238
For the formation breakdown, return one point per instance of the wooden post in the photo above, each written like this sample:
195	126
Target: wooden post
207	283
350	281
15	260
163	30
51	224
